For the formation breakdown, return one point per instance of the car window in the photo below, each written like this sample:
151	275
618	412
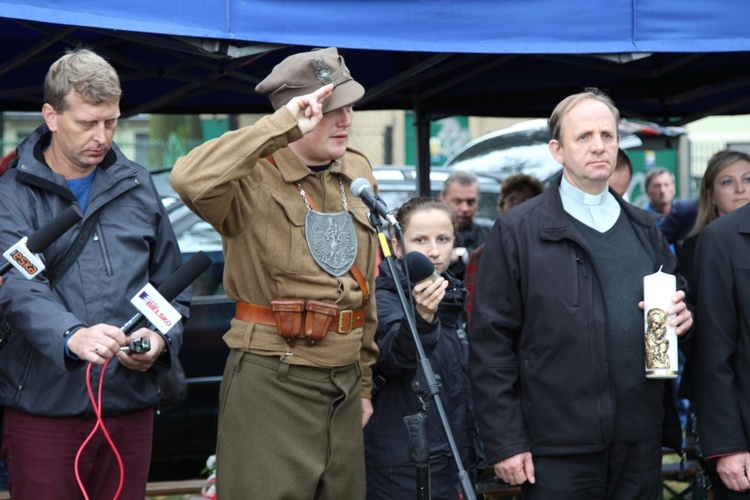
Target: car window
193	235
200	236
197	235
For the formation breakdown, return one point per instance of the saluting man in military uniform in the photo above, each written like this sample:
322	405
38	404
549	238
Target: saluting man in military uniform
296	388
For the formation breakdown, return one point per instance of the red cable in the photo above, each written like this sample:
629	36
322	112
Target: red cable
97	405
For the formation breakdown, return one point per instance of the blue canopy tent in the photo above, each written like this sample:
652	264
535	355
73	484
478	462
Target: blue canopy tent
475	26
667	61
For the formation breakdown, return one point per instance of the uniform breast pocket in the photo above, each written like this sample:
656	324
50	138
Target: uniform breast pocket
285	245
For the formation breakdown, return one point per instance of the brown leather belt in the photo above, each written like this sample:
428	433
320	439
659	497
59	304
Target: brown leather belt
348	319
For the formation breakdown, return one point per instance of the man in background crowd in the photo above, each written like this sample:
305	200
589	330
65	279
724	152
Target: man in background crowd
677	216
461	192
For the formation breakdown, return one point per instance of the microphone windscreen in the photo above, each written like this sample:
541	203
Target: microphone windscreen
358	185
184	276
55	228
420	267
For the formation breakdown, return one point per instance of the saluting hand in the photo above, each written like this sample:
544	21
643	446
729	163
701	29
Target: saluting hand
308	109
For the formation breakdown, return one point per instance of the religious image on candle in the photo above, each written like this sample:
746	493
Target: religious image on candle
660	337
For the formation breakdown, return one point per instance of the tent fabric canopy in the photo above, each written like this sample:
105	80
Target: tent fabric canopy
665	61
477	26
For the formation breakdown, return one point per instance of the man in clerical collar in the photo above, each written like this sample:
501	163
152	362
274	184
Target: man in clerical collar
557	337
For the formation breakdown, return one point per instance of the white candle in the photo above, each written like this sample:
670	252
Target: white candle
660	338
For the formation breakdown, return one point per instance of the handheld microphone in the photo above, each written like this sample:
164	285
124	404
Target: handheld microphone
176	283
420	268
45	235
361	189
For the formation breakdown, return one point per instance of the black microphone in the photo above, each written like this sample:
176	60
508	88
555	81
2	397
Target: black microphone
176	283
420	267
361	189
45	235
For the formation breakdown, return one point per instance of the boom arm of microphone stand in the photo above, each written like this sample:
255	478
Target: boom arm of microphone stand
425	379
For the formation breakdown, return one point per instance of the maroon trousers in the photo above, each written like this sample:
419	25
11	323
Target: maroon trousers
40	453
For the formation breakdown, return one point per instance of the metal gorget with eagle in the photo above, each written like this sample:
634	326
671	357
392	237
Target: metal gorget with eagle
331	238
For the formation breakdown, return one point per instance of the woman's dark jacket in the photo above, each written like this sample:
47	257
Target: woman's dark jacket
445	344
539	357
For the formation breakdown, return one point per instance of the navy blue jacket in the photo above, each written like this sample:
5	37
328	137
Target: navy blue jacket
677	224
133	243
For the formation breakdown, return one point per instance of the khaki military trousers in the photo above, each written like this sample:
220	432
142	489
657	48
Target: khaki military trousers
289	432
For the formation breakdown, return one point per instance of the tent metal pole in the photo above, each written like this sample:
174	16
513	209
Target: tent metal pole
422	124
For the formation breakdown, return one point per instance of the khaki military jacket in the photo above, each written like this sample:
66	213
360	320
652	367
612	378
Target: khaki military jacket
260	214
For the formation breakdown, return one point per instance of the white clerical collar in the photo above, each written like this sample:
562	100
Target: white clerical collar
598	211
581	197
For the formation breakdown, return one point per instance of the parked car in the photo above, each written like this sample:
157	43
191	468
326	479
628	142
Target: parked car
185	435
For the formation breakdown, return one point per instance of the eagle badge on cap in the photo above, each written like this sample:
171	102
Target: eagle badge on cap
322	72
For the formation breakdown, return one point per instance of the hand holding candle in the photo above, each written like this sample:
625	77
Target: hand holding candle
660	338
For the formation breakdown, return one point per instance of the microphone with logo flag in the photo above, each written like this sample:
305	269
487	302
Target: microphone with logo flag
23	256
155	304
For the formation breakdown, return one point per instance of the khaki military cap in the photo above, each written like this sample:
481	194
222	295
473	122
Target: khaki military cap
304	73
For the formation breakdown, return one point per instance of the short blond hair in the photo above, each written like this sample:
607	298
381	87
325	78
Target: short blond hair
84	72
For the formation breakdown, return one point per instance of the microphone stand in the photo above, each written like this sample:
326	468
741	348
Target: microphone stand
427	387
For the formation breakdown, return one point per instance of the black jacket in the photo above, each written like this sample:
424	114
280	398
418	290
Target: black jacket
446	345
538	353
721	375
